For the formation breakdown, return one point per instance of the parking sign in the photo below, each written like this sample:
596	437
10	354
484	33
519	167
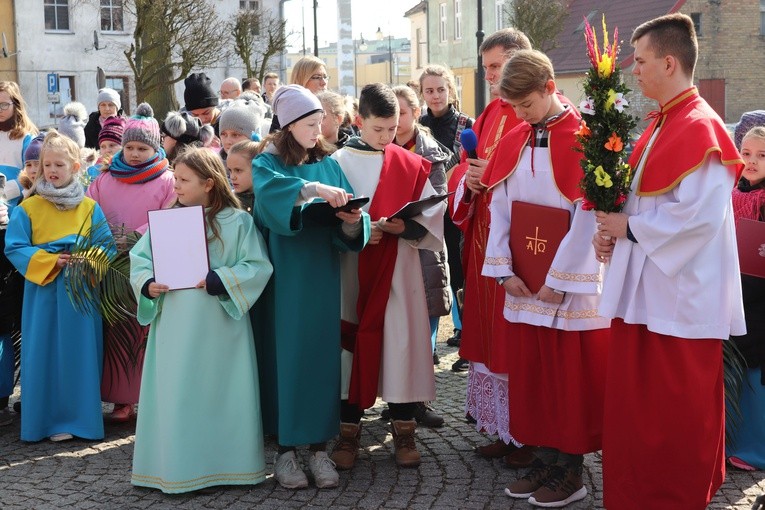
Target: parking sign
52	83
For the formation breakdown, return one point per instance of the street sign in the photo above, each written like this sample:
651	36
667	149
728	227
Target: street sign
52	83
54	97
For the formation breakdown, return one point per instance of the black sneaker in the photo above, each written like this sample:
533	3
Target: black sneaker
436	359
427	417
17	406
461	365
454	340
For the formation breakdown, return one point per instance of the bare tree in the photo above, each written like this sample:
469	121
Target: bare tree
258	36
540	20
171	38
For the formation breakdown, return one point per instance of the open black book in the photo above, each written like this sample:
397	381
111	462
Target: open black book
324	214
417	207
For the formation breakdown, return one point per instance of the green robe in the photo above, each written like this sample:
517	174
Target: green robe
298	319
199	420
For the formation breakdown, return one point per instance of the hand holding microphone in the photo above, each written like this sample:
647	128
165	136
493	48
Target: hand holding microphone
477	166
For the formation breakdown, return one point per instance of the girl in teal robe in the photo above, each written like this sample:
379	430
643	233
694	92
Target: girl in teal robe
199	423
61	356
298	319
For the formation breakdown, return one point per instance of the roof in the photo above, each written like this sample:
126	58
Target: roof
570	55
420	7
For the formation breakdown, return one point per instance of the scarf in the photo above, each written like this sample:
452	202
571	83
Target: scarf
145	172
748	201
64	198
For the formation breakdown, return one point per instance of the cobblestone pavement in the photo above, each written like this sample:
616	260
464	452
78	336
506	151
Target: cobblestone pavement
85	474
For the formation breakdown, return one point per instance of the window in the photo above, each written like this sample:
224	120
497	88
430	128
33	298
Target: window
67	94
696	18
111	16
120	84
500	15
252	5
457	19
56	14
442	24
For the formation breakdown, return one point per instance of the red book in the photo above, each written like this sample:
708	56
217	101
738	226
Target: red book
750	237
536	231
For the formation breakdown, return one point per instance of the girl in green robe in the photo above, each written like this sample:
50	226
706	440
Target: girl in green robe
200	422
299	316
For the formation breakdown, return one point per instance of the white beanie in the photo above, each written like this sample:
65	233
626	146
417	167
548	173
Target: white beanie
107	95
293	102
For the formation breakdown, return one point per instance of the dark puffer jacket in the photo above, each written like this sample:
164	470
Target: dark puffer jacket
435	268
444	129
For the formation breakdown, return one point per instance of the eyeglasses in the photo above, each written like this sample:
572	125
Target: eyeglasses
5	106
320	77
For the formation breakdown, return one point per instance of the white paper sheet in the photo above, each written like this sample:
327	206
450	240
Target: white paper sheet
179	246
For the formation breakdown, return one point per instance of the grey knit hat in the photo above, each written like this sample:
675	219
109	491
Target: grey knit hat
72	124
748	121
243	115
142	127
293	102
107	95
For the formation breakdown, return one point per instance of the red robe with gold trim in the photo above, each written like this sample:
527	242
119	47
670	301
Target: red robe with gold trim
484	299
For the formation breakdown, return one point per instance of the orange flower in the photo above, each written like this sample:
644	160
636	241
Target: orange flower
584	131
614	143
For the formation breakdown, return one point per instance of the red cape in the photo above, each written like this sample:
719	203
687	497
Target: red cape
690	131
402	180
563	154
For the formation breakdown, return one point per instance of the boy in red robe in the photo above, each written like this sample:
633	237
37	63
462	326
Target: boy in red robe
673	289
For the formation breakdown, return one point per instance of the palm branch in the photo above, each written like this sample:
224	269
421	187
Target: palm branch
734	370
97	282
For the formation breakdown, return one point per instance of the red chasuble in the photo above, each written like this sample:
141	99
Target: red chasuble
402	180
482	321
689	132
564	154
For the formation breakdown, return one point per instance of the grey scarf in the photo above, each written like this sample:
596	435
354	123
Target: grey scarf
64	198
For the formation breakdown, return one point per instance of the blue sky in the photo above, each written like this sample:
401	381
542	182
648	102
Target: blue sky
367	16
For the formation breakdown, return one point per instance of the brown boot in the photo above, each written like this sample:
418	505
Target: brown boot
523	457
347	447
403	439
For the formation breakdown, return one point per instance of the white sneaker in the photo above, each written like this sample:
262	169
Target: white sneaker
323	470
6	418
287	471
61	437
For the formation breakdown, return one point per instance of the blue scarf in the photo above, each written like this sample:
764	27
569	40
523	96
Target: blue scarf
145	172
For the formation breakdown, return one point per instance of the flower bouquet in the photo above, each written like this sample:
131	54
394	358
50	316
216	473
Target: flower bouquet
605	128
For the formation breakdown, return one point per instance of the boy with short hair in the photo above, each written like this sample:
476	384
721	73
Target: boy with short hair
384	310
557	346
673	288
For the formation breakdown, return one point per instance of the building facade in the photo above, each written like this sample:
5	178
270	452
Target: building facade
73	39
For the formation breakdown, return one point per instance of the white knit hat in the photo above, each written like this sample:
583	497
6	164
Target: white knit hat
293	102
107	95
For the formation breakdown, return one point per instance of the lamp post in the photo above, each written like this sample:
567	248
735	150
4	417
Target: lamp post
363	47
390	54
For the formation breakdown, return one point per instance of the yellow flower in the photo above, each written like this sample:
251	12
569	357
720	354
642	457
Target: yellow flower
605	65
602	178
611	100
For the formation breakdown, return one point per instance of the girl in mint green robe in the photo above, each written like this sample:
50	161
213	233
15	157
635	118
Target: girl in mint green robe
199	423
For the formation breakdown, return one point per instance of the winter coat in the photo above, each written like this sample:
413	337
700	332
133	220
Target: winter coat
435	268
93	129
444	129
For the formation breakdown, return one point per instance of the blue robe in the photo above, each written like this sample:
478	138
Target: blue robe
61	356
298	320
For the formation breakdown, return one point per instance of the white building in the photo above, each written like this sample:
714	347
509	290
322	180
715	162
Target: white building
59	37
